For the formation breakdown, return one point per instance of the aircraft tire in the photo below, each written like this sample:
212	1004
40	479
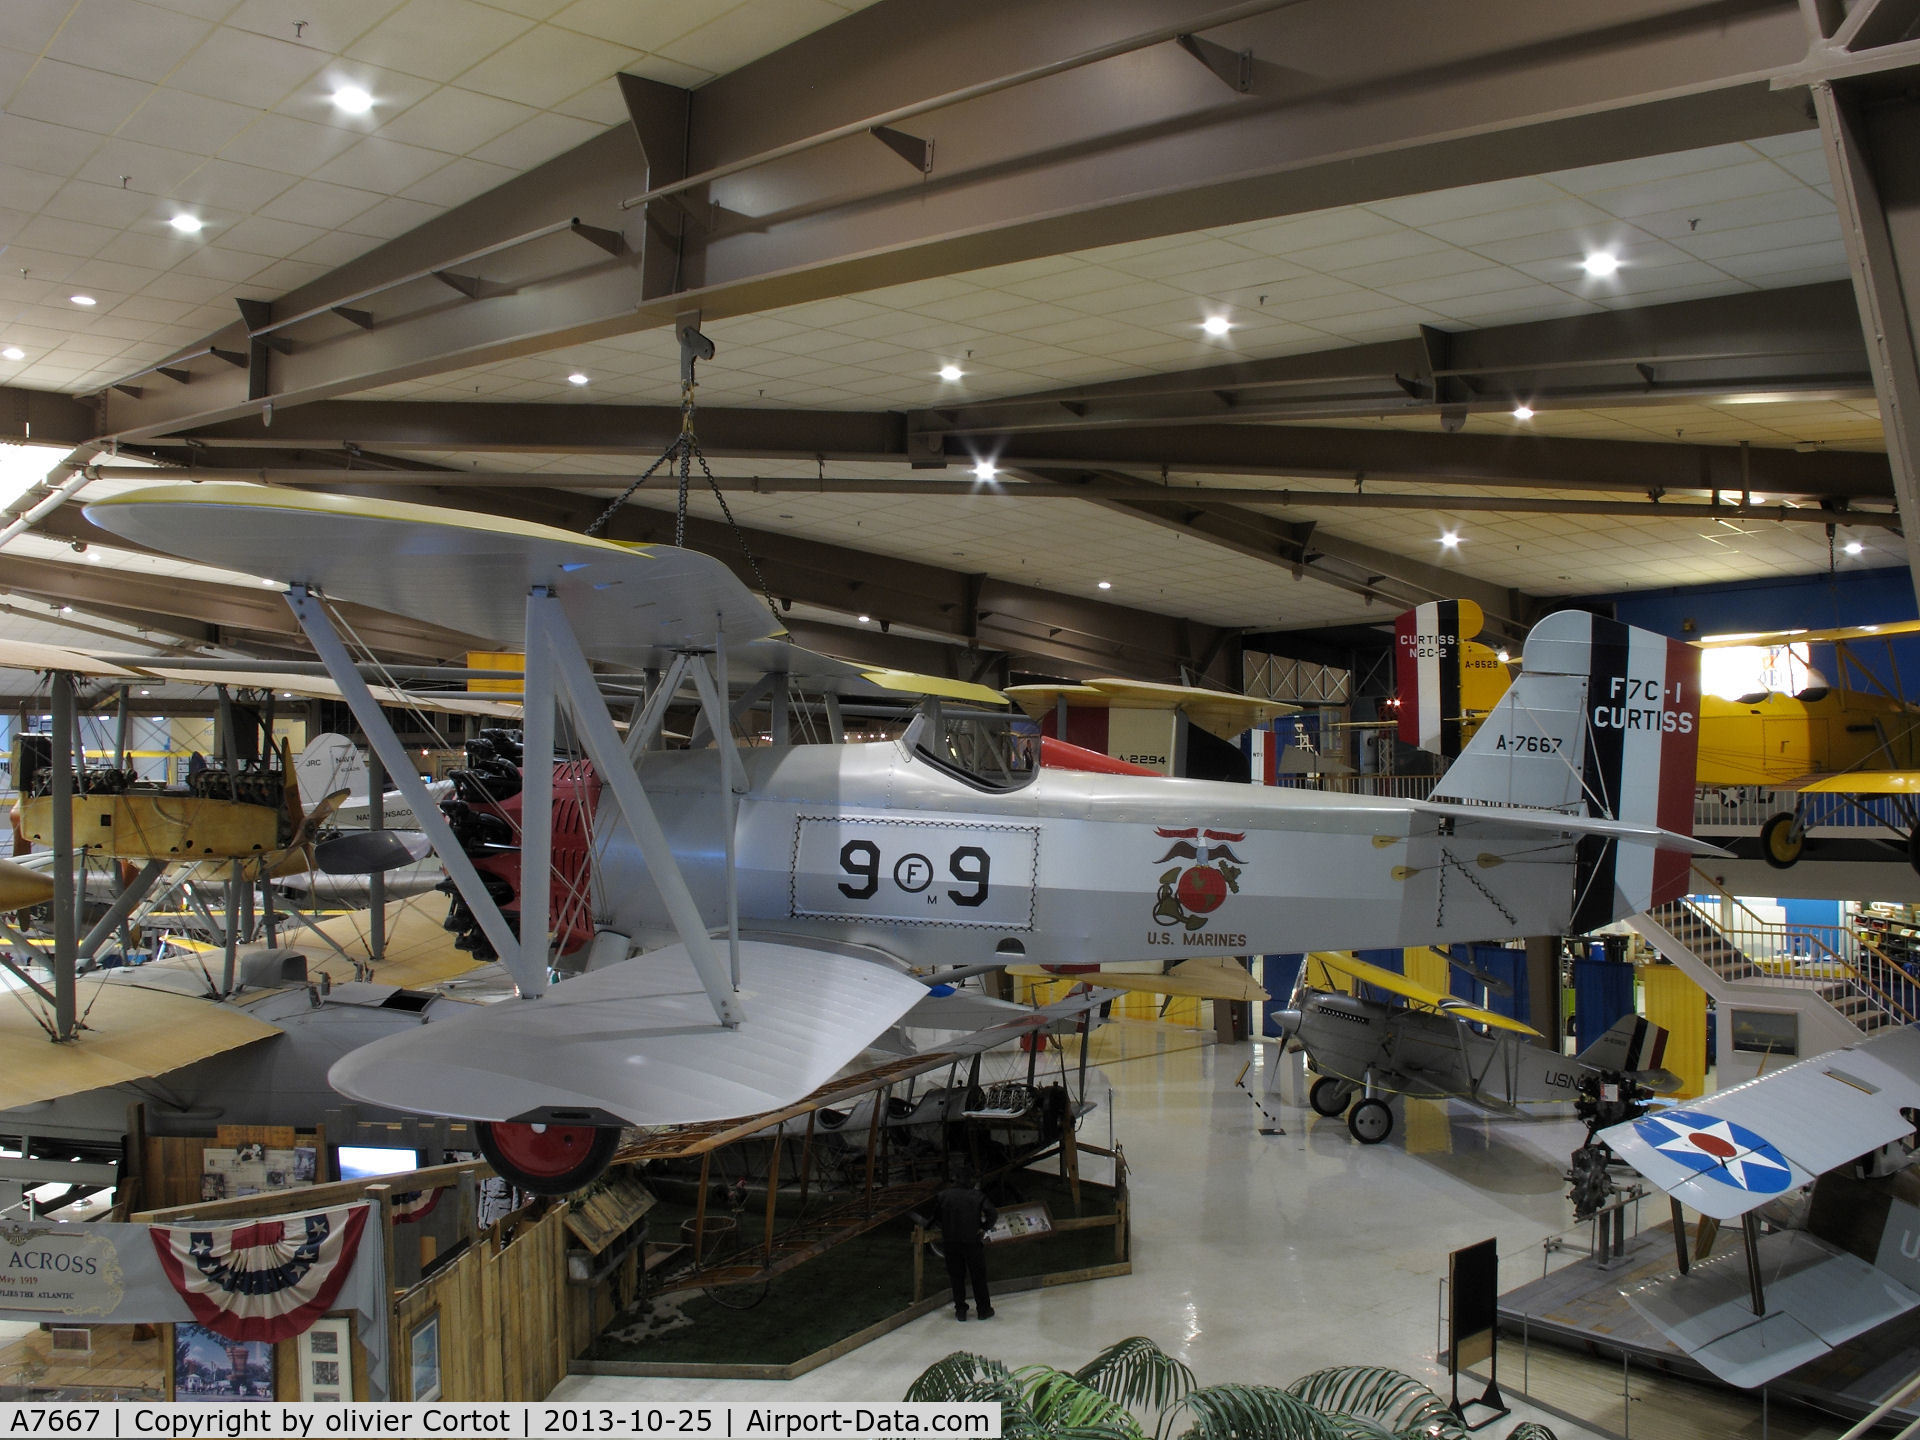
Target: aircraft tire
547	1159
1779	846
1370	1121
1329	1096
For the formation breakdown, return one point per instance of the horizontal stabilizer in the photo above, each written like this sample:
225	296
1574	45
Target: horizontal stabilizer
1528	818
637	1043
1818	1297
1734	1151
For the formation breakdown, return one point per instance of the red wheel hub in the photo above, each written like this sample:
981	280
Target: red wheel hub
543	1149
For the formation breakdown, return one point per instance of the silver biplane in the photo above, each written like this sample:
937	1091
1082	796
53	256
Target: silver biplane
1434	1046
776	895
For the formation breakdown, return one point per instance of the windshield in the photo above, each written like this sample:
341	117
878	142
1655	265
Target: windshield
988	751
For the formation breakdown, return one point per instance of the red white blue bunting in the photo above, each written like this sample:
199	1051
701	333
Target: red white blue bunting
263	1279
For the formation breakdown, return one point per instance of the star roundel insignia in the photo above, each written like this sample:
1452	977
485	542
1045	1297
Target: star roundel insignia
1706	1145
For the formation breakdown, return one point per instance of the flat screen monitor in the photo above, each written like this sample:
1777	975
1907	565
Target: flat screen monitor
368	1162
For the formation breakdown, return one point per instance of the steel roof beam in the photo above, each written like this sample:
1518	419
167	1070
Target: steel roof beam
1141	145
1803	342
1198	448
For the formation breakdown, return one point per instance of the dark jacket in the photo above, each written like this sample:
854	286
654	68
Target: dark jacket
963	1214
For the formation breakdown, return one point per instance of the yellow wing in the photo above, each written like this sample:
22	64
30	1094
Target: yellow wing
1842	634
1226	715
1197	979
1419	994
132	1034
1867	782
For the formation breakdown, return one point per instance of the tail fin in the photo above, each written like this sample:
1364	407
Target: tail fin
1603	721
1446	681
1633	1046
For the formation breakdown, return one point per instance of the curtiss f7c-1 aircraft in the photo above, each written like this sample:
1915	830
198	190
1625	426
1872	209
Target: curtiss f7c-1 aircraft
778	892
1427	1048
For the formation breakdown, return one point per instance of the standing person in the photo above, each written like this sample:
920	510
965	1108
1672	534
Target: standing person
964	1215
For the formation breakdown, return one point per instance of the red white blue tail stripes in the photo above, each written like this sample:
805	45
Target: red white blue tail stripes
1603	722
1426	662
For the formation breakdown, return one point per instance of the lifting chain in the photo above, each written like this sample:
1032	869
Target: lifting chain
679	457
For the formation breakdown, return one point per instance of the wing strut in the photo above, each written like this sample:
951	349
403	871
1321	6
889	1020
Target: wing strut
548	630
1750	1223
310	611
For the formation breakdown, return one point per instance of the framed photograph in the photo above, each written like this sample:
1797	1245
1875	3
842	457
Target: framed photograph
423	1358
1766	1032
209	1367
325	1359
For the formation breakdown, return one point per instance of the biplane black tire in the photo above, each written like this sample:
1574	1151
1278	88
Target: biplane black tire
547	1159
1779	846
1329	1096
1370	1121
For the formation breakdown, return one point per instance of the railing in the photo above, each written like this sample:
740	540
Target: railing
1392	787
1808	957
1747	807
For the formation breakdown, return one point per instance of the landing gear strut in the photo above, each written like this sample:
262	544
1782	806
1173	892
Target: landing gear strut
546	1159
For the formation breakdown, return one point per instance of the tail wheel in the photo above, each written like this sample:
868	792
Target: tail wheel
1370	1122
1328	1095
1782	842
547	1159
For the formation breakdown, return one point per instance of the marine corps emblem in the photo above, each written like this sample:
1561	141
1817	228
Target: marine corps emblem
1189	893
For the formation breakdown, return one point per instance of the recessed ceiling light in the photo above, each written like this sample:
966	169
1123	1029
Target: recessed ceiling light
951	372
352	99
66	609
187	224
1216	325
1450	539
866	619
146	692
270	584
13	352
1106	584
1601	263
1523	412
1854	547
985	470
1504	657
576	378
85	300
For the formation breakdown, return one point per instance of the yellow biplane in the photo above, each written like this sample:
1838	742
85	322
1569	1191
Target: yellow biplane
1800	730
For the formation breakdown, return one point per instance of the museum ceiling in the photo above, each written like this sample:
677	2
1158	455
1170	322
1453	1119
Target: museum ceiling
1251	392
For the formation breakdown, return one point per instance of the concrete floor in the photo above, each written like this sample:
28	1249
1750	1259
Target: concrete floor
1256	1258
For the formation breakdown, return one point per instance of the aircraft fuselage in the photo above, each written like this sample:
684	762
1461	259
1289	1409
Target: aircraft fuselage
867	844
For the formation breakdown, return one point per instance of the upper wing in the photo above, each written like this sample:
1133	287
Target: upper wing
1734	1151
464	571
630	604
1419	994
